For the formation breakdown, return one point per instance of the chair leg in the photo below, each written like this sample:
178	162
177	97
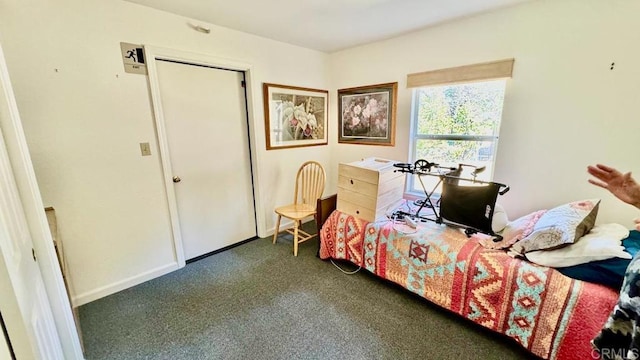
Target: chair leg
275	234
295	237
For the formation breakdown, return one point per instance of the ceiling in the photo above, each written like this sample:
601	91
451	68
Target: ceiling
326	25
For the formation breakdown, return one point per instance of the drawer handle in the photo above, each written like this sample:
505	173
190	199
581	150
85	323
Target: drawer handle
351	180
358	212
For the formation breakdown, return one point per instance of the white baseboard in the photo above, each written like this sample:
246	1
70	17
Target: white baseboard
103	291
106	290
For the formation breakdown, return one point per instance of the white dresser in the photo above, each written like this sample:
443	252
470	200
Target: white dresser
369	188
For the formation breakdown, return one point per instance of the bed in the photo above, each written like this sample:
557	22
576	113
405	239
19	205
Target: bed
547	313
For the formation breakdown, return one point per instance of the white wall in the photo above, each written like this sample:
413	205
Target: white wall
564	107
84	117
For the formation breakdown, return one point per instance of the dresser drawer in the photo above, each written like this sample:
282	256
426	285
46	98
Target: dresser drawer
392	197
395	184
357	185
358	198
352	171
356	210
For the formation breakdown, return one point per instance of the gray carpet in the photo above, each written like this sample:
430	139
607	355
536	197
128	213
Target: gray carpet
257	301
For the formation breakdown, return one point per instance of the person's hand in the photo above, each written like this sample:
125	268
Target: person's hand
623	186
637	221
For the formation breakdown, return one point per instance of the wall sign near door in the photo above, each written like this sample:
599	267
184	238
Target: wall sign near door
294	116
133	58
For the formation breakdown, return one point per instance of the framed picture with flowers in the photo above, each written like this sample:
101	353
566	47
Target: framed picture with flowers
367	114
295	116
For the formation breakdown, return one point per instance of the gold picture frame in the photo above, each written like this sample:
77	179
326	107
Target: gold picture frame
295	116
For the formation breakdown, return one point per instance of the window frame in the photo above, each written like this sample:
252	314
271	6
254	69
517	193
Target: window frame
411	188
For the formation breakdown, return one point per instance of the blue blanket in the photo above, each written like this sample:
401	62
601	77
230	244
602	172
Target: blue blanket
608	272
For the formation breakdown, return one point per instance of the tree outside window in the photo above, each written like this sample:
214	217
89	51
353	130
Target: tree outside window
456	124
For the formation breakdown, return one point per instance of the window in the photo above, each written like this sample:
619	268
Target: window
456	124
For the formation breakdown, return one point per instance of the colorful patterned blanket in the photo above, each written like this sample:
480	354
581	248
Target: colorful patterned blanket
552	316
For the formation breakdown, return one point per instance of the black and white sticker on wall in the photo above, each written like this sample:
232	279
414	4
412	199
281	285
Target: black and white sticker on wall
133	58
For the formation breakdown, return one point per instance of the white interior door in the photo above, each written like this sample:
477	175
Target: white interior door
21	284
24	303
208	139
5	353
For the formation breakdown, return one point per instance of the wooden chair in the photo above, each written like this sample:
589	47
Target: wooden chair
309	187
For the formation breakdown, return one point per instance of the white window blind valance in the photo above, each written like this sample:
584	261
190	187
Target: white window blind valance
463	74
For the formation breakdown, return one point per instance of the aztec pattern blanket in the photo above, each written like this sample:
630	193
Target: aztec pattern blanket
620	336
552	316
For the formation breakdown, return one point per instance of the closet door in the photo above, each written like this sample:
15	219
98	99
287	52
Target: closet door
207	135
24	303
5	353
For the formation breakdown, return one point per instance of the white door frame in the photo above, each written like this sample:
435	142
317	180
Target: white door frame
29	193
153	54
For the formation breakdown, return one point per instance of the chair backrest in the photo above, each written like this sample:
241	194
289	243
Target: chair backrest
309	183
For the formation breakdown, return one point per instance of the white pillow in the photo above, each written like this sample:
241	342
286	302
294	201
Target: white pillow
601	243
500	219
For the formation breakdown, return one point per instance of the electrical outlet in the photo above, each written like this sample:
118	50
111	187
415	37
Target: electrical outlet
145	149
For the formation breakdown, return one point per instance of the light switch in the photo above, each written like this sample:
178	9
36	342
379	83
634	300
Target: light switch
145	149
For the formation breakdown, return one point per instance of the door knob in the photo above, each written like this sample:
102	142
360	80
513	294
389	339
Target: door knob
176	179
